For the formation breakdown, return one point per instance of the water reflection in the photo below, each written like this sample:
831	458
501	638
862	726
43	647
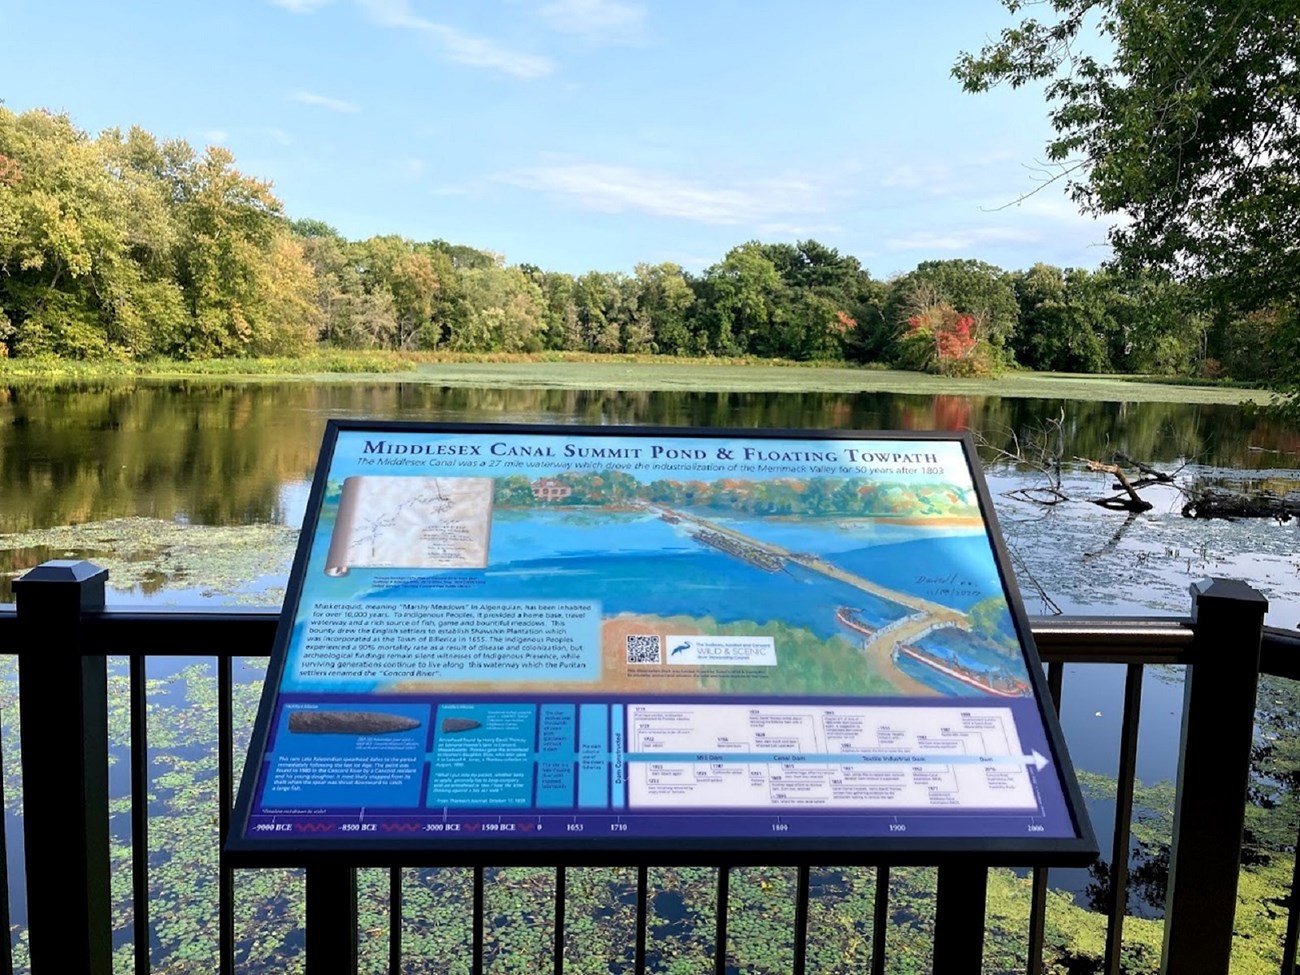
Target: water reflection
220	453
240	454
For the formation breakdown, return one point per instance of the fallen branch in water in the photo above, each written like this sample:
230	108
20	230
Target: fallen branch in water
1217	504
1042	450
1149	474
1133	501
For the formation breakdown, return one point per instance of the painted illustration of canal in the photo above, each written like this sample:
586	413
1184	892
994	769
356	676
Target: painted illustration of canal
883	647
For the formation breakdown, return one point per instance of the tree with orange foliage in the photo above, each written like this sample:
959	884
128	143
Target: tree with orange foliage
941	339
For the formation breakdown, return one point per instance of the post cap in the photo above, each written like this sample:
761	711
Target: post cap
61	570
1228	590
61	582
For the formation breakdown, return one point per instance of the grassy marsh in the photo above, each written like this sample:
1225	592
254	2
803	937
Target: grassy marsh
575	371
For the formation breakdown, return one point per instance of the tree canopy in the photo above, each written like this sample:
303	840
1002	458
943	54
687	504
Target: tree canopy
1182	119
126	246
1191	128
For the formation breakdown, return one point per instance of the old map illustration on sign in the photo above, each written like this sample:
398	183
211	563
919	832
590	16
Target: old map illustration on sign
411	522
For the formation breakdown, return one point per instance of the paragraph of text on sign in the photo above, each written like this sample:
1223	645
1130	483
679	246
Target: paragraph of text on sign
485	640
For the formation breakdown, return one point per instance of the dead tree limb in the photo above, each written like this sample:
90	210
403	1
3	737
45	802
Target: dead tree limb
1026	576
1151	475
1041	451
1133	501
1217	504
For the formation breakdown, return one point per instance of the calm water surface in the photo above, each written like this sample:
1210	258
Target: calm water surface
242	454
222	454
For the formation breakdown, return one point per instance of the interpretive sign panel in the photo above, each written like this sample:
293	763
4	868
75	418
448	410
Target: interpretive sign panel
732	645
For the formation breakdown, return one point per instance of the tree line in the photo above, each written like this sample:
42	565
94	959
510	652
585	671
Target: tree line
1179	117
129	247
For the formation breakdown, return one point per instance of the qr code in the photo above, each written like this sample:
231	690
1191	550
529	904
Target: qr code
643	649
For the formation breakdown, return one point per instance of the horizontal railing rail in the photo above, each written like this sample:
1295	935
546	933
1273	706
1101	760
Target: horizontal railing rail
237	632
1222	650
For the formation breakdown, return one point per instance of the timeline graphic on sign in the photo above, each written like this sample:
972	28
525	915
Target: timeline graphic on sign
540	639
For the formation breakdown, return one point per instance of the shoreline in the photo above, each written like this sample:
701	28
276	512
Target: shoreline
617	372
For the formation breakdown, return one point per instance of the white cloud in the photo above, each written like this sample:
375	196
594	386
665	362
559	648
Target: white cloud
972	175
216	136
787	229
455	44
960	240
324	101
618	189
607	21
411	167
279	136
300	6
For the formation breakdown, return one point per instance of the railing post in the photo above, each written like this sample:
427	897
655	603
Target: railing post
331	920
64	728
1213	773
959	919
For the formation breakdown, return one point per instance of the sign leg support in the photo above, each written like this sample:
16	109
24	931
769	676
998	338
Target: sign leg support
331	920
959	919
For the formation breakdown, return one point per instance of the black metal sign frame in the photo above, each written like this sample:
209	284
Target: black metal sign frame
541	644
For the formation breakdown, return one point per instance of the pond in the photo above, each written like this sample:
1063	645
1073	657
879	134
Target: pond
193	491
149	460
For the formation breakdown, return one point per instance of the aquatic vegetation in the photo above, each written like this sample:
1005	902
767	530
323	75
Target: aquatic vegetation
600	902
240	563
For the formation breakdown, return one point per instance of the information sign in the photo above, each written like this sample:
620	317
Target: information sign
537	643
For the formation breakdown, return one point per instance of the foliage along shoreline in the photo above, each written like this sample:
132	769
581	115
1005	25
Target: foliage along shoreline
575	370
125	247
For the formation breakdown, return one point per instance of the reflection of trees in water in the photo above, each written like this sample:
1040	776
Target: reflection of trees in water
1148	879
220	452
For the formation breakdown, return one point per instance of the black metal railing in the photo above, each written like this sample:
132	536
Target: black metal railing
61	633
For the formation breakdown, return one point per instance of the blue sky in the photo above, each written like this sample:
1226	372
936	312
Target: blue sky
581	134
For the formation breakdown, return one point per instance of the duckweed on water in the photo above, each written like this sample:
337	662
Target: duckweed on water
600	905
152	556
436	932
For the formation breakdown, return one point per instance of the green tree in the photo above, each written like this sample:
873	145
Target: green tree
465	258
307	227
1064	319
1254	346
1159	328
414	284
292	321
561	324
666	298
1180	117
62	236
825	294
636	329
505	311
596	297
362	320
230	222
740	295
